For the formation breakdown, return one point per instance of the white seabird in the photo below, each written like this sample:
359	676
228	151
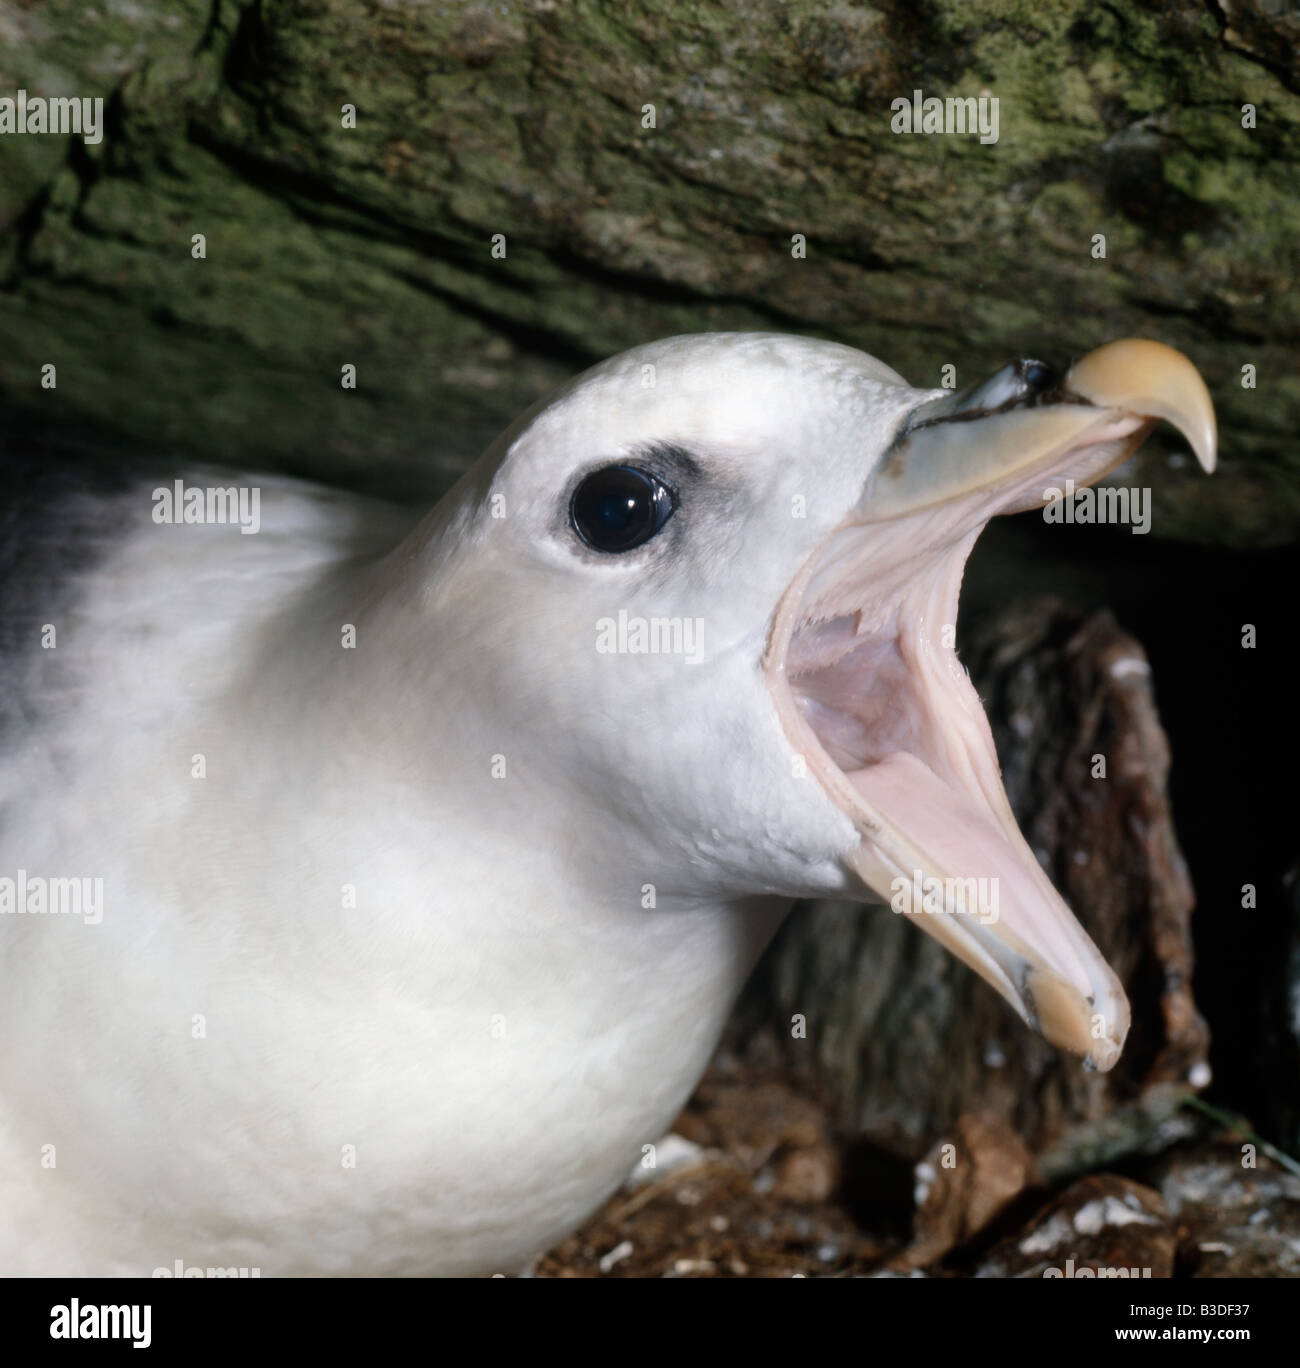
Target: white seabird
434	853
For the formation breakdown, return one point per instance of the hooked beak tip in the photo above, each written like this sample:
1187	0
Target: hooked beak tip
1154	381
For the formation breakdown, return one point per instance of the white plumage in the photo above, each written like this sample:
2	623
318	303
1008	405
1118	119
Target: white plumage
409	946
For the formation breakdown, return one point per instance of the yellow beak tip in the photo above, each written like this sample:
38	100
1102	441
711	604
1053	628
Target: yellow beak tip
1152	380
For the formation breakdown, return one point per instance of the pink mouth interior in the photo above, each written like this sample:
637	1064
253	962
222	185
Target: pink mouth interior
894	711
857	693
868	687
872	671
873	675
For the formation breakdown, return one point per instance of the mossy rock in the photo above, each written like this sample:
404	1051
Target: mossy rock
525	122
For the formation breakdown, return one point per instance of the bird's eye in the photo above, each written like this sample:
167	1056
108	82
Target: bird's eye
620	508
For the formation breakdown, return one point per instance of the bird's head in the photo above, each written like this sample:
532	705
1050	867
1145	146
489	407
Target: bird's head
717	581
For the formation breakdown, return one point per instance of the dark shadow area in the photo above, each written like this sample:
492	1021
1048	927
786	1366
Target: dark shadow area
876	1190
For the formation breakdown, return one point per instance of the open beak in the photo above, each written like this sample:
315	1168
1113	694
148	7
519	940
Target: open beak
862	667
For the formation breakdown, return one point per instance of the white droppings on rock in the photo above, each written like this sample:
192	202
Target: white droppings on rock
1049	1236
1199	1074
1110	1211
672	1152
685	1267
1129	665
616	1255
924	1174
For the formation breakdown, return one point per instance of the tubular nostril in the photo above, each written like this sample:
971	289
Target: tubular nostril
1038	375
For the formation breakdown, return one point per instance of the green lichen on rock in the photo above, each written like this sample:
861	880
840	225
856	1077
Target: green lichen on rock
373	245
